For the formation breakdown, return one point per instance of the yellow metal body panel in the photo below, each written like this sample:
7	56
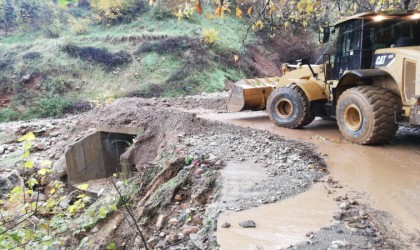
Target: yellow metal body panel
313	90
400	72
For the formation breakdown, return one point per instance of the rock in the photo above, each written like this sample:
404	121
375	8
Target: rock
225	225
353	202
197	219
25	78
60	167
172	238
2	149
338	215
211	157
173	221
38	197
344	205
95	229
178	197
65	203
160	221
138	243
45	180
181	236
152	241
357	225
162	234
247	223
9	180
339	244
40	146
187	230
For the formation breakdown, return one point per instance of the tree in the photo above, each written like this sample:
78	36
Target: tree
24	14
283	13
7	16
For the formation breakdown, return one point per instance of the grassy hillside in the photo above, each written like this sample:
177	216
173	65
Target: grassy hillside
154	55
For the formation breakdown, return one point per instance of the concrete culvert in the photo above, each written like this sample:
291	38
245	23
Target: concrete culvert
97	156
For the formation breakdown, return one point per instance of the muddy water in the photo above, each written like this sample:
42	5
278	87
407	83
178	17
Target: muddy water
389	175
278	225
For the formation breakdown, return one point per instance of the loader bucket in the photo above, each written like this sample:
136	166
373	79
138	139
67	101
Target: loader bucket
250	94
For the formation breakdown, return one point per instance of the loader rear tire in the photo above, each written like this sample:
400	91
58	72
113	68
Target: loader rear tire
366	114
288	107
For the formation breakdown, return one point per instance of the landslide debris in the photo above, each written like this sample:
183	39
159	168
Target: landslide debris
179	158
177	176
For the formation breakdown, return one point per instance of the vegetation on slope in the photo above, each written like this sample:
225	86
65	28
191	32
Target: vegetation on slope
151	55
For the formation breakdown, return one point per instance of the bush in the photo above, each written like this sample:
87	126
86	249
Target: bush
115	11
57	85
210	36
79	25
49	106
8	114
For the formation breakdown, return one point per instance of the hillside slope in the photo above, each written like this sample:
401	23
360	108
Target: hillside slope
154	55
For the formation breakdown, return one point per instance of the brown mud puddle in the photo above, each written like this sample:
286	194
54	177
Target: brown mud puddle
278	225
389	175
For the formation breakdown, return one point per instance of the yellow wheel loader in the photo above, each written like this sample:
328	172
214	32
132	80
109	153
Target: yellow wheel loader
372	87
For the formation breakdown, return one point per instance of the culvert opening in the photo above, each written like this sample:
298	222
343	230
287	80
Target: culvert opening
97	156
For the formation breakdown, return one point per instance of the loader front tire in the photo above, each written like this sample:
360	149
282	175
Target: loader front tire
366	114
288	107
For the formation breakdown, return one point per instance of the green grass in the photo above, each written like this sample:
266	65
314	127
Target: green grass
63	3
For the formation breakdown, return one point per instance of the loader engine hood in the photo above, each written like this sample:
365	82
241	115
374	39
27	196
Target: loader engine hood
386	57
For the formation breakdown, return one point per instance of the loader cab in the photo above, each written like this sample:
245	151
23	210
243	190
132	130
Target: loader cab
351	53
360	36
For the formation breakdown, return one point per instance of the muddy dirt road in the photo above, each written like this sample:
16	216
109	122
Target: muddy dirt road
388	176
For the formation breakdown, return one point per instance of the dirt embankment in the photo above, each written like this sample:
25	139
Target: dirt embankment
178	163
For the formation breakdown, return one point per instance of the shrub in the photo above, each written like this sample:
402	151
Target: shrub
8	114
48	106
210	36
56	85
114	11
53	106
79	25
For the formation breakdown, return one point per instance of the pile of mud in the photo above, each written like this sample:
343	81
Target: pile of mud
179	158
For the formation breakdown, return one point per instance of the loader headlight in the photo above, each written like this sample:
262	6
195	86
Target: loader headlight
382	60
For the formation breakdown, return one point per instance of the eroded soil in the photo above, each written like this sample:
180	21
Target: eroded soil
197	166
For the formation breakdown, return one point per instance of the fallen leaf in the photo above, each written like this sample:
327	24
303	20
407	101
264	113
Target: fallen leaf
250	11
83	187
238	12
235	58
198	7
218	11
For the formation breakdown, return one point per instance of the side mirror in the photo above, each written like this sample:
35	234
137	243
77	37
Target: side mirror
324	37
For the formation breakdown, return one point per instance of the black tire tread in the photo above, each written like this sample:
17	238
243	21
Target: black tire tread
384	104
306	118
